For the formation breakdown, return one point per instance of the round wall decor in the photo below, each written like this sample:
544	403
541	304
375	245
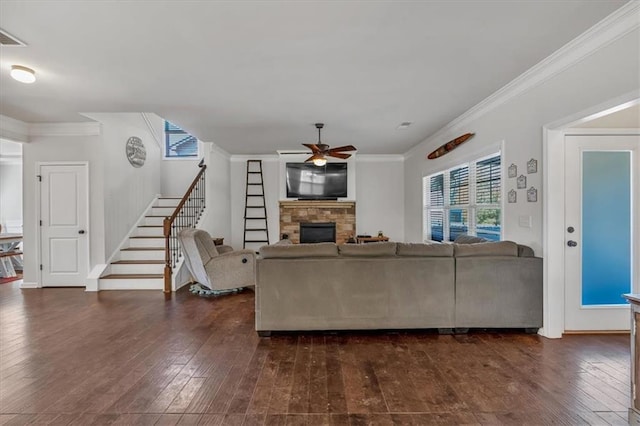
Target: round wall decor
136	153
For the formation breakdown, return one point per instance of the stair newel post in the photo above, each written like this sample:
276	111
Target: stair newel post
166	225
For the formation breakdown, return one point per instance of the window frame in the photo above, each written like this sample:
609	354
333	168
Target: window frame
165	145
472	207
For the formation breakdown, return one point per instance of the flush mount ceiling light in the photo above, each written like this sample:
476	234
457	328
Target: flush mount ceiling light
23	74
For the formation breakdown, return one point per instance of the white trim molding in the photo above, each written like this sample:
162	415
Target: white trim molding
19	131
263	157
378	158
610	29
89	128
213	147
153	132
13	130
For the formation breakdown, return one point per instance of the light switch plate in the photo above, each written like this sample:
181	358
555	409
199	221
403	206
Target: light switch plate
525	221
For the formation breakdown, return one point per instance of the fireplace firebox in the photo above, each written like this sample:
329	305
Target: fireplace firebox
318	232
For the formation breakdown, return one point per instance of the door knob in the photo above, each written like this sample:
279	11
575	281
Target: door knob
571	243
81	231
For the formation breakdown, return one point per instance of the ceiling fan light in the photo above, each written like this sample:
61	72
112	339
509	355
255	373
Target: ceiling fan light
319	161
23	74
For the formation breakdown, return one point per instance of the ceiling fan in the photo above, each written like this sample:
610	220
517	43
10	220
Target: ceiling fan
320	151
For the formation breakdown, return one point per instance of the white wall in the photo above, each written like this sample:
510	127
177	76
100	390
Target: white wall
128	190
377	182
177	174
118	192
380	196
608	73
10	182
62	148
270	175
217	217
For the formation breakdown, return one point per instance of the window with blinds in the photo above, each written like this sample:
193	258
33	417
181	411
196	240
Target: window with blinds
178	143
465	199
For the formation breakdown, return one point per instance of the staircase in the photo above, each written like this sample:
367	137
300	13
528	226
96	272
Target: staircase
140	265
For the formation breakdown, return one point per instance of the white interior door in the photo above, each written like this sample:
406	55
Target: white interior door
601	230
64	221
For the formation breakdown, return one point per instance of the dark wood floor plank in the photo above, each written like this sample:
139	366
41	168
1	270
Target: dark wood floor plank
299	398
138	358
285	348
362	388
211	419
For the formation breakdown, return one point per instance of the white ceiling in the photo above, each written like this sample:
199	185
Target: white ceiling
628	118
254	76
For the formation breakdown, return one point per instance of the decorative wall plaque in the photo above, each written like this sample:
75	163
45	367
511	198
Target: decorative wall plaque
532	166
513	170
136	153
532	195
513	196
522	182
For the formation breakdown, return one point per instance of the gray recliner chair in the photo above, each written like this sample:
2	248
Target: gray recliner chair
216	269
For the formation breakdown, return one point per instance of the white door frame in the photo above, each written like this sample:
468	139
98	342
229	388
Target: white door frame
38	205
553	233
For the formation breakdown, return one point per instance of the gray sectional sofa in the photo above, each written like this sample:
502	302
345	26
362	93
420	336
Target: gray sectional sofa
398	286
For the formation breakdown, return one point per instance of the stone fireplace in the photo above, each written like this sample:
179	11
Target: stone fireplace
294	213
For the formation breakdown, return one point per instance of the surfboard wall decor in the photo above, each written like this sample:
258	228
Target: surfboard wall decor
450	146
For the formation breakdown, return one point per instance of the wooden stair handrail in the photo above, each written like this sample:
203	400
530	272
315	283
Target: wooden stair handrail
186	196
168	225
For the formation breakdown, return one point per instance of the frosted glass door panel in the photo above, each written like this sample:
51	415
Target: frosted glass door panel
606	227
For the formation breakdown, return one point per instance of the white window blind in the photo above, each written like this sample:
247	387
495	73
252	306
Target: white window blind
178	143
472	204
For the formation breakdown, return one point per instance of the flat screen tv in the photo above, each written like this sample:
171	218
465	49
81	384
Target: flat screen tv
310	182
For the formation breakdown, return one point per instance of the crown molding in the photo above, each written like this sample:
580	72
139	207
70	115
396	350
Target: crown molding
215	148
152	130
13	130
618	24
378	158
89	128
12	160
263	157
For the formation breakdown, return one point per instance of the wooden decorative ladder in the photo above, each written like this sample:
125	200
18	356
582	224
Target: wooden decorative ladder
256	229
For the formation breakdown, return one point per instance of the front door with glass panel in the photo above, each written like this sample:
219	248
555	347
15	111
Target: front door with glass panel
601	230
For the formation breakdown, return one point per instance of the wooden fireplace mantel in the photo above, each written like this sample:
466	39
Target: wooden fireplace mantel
318	204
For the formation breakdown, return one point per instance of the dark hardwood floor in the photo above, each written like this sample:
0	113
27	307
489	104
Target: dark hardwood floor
125	357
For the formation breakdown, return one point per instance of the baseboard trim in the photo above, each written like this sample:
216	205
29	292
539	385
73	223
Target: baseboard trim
29	285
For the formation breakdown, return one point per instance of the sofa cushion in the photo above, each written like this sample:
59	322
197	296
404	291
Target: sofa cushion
424	249
368	249
299	250
494	248
469	239
525	251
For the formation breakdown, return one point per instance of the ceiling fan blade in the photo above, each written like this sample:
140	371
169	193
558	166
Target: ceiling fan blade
314	157
312	146
344	148
338	155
